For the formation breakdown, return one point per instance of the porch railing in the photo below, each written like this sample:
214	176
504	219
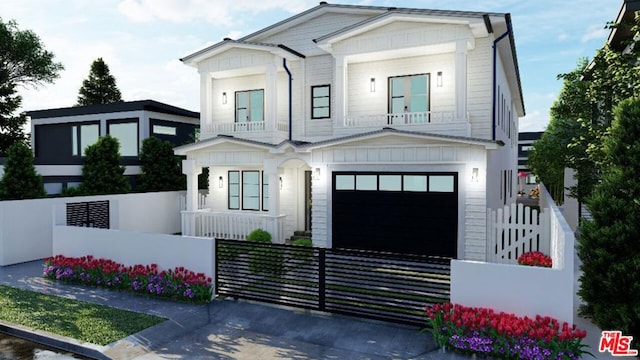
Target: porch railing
407	118
202	200
229	225
244	127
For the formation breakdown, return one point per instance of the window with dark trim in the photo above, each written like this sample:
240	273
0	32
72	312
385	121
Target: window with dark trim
127	134
321	102
265	192
250	105
234	190
83	135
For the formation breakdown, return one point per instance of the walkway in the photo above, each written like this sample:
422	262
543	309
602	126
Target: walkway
233	330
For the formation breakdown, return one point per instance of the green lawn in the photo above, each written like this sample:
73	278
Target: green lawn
86	322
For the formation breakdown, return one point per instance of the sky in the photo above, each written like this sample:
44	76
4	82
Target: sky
142	41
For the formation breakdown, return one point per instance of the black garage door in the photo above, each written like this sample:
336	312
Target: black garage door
399	212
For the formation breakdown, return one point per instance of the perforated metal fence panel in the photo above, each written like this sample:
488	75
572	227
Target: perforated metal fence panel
88	214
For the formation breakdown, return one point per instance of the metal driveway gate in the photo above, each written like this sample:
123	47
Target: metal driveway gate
372	284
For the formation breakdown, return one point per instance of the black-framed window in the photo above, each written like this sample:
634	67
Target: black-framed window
321	102
251	190
126	131
250	105
265	192
409	93
234	190
83	135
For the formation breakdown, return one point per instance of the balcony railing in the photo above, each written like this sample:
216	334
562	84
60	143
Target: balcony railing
244	127
231	225
407	118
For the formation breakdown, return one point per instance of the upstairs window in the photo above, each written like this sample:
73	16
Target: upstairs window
83	136
320	102
127	135
409	94
250	105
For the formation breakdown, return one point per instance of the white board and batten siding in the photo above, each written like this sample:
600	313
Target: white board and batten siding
375	156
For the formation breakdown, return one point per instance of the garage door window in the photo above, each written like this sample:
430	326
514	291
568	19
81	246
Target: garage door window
437	183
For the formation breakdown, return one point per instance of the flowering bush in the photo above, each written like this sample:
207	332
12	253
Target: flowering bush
505	336
535	258
178	283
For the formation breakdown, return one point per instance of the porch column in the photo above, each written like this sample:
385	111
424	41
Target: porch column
271	171
192	171
340	90
271	97
461	80
206	101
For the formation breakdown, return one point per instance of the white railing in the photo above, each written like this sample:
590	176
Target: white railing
202	200
244	127
514	230
407	118
231	225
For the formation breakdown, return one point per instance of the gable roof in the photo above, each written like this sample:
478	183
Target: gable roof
302	146
148	105
226	44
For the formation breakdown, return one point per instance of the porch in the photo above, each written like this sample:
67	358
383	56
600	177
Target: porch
231	225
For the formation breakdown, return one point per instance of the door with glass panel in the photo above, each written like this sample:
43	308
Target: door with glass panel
250	110
409	99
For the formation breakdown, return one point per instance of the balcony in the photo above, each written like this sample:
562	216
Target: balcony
231	128
444	122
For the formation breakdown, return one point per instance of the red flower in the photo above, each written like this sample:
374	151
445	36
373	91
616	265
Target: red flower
535	258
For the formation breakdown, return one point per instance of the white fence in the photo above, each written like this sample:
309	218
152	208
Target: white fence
514	230
131	248
229	225
523	290
26	225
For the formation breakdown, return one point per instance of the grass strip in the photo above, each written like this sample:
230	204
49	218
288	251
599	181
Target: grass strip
83	321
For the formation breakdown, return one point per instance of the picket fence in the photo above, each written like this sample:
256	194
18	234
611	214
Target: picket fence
514	230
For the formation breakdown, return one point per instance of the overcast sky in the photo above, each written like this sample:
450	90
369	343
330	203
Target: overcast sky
142	40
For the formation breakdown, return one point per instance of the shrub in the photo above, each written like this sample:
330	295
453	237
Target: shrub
102	172
501	335
305	253
179	283
609	246
20	179
161	169
263	257
535	258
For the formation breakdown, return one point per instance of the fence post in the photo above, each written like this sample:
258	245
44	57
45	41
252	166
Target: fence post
321	279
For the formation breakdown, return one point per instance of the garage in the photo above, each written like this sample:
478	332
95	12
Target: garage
399	212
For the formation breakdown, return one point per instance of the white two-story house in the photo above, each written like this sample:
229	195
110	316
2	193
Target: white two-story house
374	128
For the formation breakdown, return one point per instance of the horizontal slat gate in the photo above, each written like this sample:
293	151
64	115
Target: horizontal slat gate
384	286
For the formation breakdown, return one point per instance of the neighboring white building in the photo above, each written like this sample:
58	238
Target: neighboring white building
372	127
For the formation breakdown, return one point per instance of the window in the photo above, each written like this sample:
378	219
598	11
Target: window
415	183
531	179
250	190
127	135
441	183
265	192
53	188
250	105
164	130
83	136
320	102
409	94
408	182
527	147
234	190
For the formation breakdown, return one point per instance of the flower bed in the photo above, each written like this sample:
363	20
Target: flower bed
179	283
500	335
535	258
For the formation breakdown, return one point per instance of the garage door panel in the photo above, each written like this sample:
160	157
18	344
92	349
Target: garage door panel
398	221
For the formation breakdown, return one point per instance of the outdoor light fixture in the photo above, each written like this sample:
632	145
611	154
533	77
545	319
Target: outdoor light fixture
439	79
474	175
317	173
224	97
280	182
220	182
372	85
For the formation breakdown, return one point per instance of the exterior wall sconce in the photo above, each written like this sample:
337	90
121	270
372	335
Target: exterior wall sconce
372	85
439	79
474	175
280	182
317	174
224	97
220	182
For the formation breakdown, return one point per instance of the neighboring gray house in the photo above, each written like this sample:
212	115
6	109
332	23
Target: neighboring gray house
372	127
59	136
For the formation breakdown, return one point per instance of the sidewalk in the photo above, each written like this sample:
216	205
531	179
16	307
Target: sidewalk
232	329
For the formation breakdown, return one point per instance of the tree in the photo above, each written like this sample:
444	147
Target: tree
161	169
609	246
102	172
23	61
20	180
100	87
